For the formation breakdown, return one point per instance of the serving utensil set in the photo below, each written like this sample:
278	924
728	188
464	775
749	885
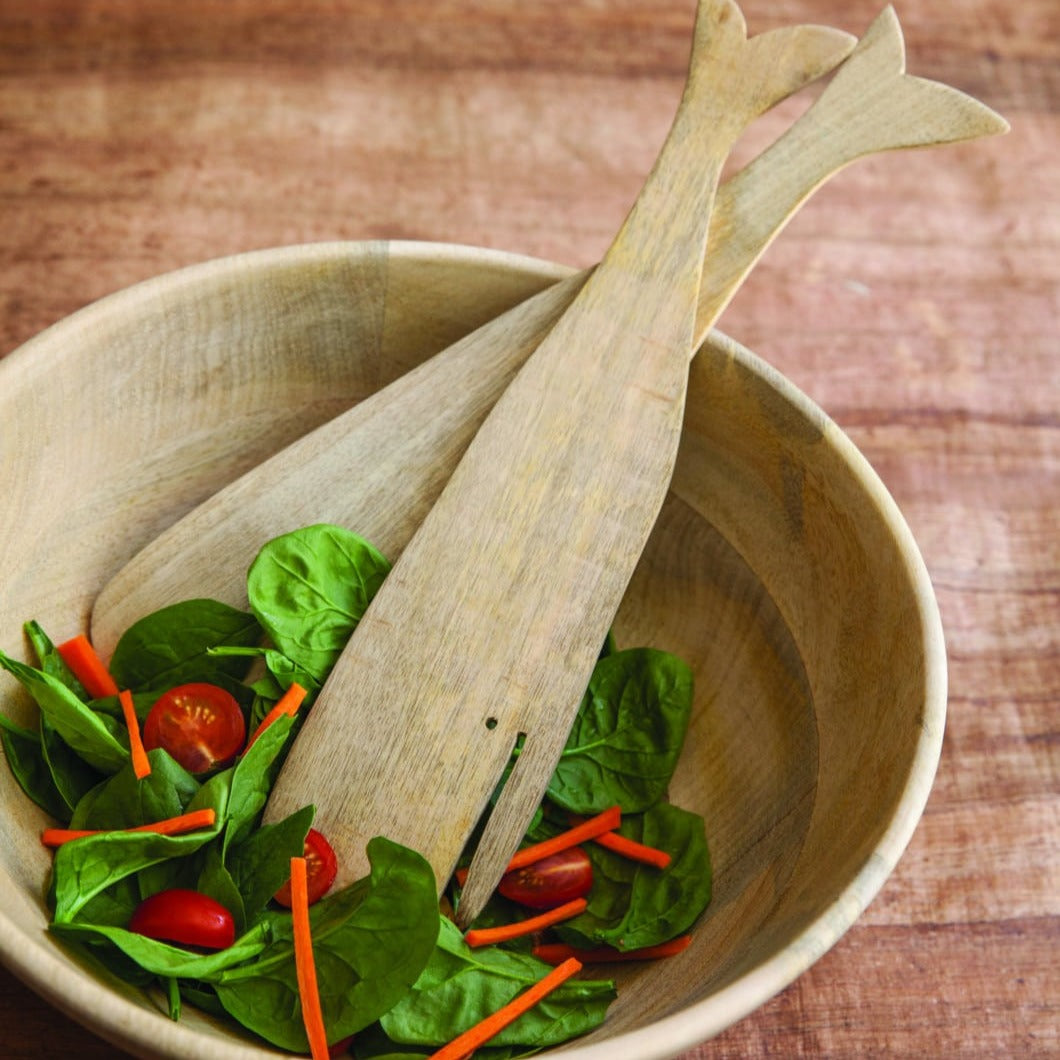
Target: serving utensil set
514	478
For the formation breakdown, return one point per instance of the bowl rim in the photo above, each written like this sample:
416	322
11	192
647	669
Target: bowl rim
121	1022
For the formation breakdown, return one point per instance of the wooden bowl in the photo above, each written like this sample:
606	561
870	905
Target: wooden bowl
780	569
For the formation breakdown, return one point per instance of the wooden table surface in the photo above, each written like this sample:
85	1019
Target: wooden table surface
915	298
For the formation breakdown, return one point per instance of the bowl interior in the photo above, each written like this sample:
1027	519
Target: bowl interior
779	568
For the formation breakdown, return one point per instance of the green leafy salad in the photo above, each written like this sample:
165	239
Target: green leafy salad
164	875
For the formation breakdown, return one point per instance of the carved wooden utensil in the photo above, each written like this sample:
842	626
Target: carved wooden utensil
488	626
870	106
405	441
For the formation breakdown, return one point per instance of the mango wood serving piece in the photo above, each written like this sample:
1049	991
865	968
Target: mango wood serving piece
393	452
487	628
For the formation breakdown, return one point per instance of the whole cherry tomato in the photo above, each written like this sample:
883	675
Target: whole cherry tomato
321	868
551	881
187	918
200	725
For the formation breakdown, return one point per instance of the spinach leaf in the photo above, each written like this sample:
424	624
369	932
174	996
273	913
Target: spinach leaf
86	732
628	733
25	756
633	905
86	867
203	998
252	777
371	940
192	867
72	775
261	864
266	695
309	589
215	880
51	662
125	800
244	877
460	986
172	646
173	994
373	1044
112	963
160	958
114	906
184	871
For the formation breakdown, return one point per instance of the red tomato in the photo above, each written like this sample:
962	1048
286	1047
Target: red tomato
200	725
321	868
187	918
551	881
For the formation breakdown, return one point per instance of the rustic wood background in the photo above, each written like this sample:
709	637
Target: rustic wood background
915	298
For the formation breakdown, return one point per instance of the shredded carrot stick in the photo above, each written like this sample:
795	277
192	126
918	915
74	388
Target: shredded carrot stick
558	952
579	832
502	933
291	700
87	666
465	1044
55	837
634	851
288	703
305	966
590	829
185	822
140	762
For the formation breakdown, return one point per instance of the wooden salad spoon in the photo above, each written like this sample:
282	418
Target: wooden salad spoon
405	442
487	628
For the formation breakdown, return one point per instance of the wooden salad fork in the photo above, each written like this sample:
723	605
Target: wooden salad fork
405	442
487	628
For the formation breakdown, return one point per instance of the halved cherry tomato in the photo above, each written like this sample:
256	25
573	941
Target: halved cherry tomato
321	869
188	918
200	725
551	881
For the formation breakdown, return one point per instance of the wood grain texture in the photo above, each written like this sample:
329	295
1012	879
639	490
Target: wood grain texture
915	300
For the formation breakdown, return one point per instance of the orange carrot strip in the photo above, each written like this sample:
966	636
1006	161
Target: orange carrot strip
558	952
291	700
185	822
465	1044
634	851
288	703
87	667
579	832
487	936
305	966
140	762
607	821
